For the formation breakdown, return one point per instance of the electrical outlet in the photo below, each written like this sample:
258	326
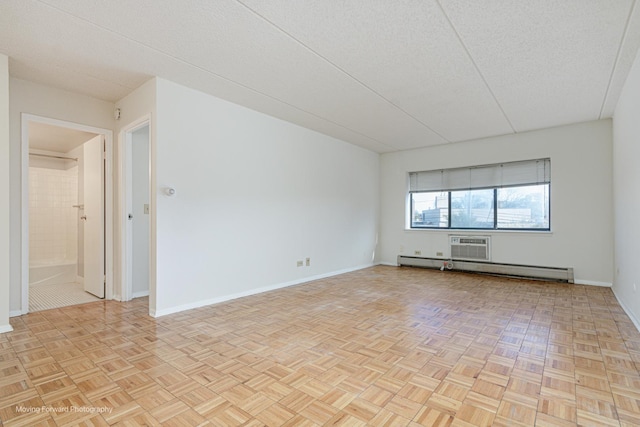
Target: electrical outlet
307	262
401	248
417	252
634	287
299	263
439	254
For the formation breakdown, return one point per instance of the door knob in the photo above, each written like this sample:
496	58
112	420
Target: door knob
130	216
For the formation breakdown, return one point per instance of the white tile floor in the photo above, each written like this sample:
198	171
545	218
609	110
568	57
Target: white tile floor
56	296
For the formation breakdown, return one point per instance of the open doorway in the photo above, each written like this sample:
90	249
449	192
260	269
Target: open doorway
136	139
66	212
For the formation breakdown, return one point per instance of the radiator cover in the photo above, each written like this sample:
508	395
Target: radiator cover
559	274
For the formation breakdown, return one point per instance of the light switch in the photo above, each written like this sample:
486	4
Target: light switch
146	208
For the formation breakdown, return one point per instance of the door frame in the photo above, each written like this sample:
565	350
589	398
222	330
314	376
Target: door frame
126	203
108	217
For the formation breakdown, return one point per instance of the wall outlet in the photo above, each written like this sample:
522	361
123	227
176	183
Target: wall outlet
299	263
439	254
417	252
307	262
634	287
401	248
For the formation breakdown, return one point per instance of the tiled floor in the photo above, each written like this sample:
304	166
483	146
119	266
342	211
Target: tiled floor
46	297
383	346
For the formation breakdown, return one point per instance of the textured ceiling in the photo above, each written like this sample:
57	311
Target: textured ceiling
383	74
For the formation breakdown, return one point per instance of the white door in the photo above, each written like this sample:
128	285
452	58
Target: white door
136	181
94	216
140	210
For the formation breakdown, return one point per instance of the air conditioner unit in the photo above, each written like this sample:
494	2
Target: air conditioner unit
476	248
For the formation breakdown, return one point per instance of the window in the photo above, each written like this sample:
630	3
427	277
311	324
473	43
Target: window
523	207
507	196
472	209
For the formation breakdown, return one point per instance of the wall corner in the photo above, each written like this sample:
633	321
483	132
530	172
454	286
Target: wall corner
5	192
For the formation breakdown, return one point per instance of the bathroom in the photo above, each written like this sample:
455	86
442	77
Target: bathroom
57	215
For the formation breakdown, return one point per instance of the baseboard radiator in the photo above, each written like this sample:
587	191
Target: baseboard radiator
511	270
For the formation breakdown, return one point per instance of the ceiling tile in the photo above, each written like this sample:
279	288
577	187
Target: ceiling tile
385	76
408	53
251	53
626	56
548	62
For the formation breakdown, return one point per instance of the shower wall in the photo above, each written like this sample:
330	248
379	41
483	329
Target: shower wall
53	221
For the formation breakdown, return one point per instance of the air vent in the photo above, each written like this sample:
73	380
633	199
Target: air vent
476	248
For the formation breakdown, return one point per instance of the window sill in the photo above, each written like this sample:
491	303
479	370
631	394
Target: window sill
467	231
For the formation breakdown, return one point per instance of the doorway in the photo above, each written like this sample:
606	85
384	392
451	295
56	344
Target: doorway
136	140
66	213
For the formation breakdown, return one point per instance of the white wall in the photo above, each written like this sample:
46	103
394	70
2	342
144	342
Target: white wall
581	199
254	195
626	180
5	199
45	101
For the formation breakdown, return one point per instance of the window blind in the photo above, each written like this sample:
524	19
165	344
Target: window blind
528	172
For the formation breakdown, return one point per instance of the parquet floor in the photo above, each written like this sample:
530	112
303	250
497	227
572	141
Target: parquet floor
383	346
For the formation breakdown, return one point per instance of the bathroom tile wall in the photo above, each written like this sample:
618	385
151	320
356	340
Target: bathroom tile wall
53	221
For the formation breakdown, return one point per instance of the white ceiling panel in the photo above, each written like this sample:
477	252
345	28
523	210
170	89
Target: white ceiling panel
149	63
548	62
252	54
409	54
53	47
69	79
383	75
626	55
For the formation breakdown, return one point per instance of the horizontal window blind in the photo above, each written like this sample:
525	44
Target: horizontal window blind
528	172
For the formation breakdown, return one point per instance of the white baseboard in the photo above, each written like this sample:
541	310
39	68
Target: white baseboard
593	283
390	264
629	313
217	300
140	294
15	313
5	328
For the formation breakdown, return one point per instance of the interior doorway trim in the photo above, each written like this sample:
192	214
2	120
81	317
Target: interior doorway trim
108	218
125	173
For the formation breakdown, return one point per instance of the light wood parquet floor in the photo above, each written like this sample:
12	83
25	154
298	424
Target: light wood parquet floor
382	346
